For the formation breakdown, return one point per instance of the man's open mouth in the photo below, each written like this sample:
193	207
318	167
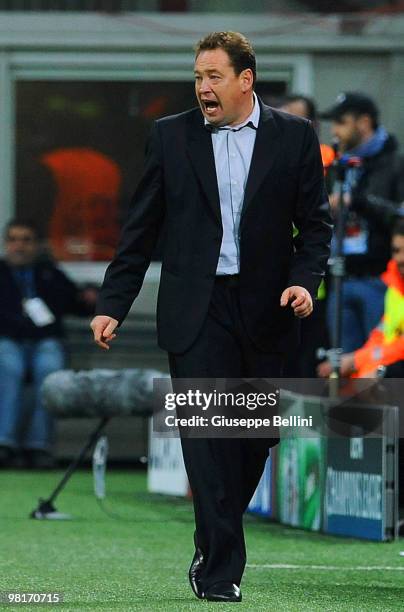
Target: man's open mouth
210	105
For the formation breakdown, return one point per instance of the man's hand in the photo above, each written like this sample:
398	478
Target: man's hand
103	327
347	366
302	303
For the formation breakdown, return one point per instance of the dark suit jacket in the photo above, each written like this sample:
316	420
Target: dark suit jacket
179	191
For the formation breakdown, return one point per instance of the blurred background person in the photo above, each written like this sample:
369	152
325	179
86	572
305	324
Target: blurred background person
300	105
34	296
385	344
373	191
303	106
313	329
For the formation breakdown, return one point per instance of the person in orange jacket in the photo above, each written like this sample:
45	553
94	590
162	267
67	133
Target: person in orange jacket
385	344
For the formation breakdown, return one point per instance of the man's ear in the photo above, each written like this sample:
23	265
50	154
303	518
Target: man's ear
364	123
247	79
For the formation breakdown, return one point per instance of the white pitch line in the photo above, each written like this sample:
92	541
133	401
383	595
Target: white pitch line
339	568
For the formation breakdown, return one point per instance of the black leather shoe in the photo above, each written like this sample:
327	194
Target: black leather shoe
223	591
195	570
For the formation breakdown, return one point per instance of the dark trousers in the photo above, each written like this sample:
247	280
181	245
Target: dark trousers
224	472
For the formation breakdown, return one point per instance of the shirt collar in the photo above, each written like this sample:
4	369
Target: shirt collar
253	118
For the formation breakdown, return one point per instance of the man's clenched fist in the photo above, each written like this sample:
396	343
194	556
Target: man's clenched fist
103	328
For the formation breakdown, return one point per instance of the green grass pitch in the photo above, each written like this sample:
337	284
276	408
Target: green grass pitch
139	561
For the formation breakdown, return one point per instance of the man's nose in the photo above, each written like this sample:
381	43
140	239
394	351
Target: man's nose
204	86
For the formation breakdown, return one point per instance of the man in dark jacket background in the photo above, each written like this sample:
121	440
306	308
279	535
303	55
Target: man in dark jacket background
34	296
373	192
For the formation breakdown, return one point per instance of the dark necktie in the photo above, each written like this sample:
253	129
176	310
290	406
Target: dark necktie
214	130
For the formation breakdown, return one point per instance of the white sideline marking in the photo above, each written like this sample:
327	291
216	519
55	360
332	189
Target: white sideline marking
360	568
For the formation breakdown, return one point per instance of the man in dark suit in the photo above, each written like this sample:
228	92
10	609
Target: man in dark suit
227	181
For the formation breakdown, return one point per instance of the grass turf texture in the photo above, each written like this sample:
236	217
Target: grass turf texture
140	561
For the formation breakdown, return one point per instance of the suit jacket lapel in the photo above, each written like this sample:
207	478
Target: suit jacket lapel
265	153
200	151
